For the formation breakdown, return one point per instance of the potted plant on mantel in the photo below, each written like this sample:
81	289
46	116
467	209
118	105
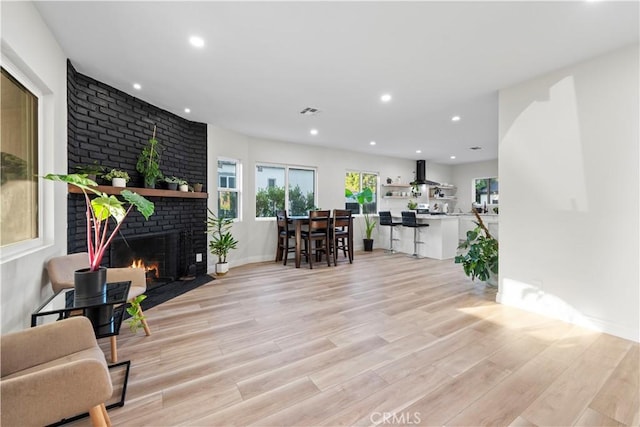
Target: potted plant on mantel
118	178
481	257
149	162
222	241
91	282
364	197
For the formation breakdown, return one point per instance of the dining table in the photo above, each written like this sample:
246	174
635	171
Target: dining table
298	221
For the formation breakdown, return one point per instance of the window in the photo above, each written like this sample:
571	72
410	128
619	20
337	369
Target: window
486	191
228	191
356	182
280	186
19	193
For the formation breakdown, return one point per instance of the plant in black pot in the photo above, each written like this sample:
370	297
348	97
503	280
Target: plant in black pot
172	182
149	162
93	171
222	241
90	283
481	257
364	198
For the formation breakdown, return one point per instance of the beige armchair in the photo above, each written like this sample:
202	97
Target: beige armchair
61	273
52	372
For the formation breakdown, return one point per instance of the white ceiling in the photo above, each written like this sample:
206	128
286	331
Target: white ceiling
263	62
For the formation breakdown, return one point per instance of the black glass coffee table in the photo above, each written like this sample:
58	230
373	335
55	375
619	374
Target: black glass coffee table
105	311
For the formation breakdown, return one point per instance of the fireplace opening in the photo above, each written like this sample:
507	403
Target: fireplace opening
157	253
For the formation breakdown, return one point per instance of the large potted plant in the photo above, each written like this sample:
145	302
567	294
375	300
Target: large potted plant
222	241
363	198
481	257
149	162
99	234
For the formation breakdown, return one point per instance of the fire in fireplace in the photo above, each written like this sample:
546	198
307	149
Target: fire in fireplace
157	253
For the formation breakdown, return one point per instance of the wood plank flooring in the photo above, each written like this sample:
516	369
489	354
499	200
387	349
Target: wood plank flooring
388	340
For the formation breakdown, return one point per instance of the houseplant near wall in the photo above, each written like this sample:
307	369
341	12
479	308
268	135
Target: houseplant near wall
222	241
99	210
118	178
93	171
172	182
481	257
149	162
364	197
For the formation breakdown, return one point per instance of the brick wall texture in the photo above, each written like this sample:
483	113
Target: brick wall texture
111	127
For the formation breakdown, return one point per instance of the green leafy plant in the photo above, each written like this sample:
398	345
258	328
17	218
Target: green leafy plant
363	198
222	241
116	173
481	257
149	161
412	204
135	321
99	210
171	179
93	169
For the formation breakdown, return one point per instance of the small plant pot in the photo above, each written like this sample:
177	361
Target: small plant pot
197	188
172	186
118	182
184	187
222	268
368	245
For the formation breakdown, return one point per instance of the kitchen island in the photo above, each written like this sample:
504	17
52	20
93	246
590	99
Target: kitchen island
440	237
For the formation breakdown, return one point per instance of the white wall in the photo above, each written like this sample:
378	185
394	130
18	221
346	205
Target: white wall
463	176
569	185
27	42
258	236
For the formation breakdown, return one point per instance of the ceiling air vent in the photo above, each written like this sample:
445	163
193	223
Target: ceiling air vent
475	147
309	111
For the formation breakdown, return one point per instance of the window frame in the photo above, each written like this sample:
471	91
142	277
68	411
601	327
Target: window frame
489	180
377	189
18	249
286	168
237	189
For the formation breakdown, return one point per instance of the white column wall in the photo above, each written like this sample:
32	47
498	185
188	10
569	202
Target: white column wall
569	191
28	43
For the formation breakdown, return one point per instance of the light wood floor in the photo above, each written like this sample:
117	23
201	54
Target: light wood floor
388	340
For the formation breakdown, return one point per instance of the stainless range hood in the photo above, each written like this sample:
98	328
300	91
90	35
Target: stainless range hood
421	173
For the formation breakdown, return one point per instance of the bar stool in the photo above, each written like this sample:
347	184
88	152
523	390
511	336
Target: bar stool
387	220
409	220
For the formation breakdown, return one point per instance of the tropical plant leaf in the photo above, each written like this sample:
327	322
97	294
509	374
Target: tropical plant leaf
144	206
106	206
79	180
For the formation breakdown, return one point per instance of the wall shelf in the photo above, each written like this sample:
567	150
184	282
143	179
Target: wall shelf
150	192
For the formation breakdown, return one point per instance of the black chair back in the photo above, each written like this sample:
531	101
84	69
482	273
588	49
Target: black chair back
385	218
409	219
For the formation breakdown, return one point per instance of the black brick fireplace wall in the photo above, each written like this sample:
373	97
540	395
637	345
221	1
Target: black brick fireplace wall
111	127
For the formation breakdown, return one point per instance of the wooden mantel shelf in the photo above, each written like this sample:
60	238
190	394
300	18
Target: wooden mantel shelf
151	192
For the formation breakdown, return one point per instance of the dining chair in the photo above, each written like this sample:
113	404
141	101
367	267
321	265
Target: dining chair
285	235
342	234
317	237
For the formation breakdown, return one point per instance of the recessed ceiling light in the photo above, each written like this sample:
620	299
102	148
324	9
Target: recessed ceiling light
196	41
137	86
418	151
452	157
385	98
187	110
455	118
372	143
313	131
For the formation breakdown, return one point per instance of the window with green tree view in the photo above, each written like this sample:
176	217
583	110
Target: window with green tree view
279	186
486	191
356	182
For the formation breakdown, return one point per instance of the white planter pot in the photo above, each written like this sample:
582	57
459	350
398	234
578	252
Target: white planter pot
184	188
119	182
222	268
